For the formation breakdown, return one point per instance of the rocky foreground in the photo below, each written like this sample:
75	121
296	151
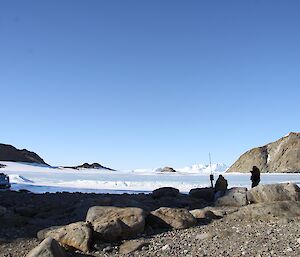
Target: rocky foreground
160	224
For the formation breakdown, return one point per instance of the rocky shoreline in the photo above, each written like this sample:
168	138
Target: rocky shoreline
163	223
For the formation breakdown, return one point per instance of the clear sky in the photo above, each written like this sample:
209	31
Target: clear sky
144	84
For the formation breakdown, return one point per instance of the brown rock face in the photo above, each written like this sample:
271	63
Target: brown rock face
113	223
10	153
77	235
280	156
171	218
268	211
274	192
48	248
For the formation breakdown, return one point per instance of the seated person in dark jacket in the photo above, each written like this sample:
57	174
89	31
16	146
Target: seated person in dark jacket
220	187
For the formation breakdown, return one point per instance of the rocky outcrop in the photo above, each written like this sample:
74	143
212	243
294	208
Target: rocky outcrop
89	166
236	197
274	192
165	192
48	248
211	212
10	153
77	235
280	156
168	169
268	211
113	223
171	218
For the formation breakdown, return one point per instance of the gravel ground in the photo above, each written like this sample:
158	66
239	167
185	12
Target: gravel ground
226	238
219	238
223	237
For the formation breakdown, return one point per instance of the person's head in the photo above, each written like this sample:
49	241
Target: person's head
254	168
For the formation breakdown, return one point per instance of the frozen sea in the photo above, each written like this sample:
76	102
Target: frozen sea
41	179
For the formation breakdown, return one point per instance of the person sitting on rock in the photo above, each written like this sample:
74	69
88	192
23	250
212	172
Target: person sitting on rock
220	187
255	176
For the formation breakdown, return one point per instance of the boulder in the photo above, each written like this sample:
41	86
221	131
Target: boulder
77	235
83	206
236	196
268	211
204	214
131	246
171	218
48	248
206	193
274	192
165	191
114	223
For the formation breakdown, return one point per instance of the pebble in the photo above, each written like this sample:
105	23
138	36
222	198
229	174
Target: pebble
166	248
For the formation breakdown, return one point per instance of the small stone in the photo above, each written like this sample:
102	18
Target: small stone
203	236
108	249
166	248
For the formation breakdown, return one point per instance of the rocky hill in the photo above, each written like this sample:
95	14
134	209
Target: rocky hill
281	156
90	166
10	153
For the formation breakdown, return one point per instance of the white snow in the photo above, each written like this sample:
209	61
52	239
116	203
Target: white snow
40	178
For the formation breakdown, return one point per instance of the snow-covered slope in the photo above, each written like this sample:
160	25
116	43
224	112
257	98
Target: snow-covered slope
40	178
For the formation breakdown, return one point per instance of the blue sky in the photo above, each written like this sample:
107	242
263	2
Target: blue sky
134	84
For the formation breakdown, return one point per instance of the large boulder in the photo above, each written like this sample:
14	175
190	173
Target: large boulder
274	192
205	193
165	192
171	218
268	211
48	248
114	223
236	197
77	235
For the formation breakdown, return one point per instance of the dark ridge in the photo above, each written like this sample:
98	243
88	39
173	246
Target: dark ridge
89	166
10	153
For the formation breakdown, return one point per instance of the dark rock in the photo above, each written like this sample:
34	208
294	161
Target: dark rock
165	191
27	211
206	193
